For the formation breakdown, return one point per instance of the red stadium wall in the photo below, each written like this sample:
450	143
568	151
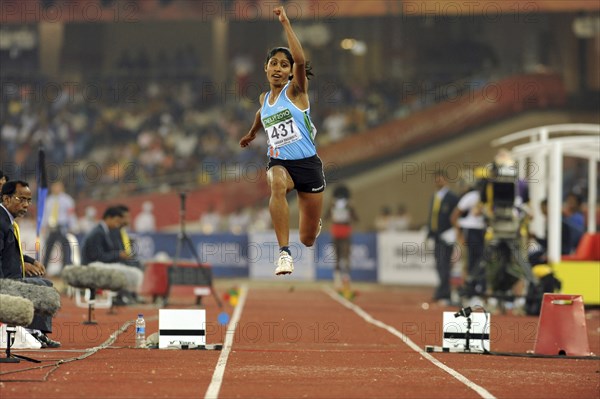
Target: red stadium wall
224	197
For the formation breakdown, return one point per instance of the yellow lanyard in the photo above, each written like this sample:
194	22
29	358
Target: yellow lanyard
435	210
126	241
18	237
53	220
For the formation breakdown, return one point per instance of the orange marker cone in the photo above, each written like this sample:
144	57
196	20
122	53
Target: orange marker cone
561	327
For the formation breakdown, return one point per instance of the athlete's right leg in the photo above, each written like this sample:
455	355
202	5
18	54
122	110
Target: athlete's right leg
281	183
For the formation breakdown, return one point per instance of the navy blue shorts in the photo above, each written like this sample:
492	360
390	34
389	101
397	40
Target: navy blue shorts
307	173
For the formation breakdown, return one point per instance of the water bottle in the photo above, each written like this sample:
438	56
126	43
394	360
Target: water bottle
140	331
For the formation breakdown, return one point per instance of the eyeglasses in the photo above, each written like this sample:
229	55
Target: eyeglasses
22	200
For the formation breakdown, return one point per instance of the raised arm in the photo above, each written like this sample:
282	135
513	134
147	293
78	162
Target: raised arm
299	73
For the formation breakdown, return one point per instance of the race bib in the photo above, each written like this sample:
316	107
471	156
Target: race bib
281	129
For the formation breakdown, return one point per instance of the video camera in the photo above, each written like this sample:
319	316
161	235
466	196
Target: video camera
502	184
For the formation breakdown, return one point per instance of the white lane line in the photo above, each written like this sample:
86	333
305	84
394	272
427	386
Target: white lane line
215	384
368	318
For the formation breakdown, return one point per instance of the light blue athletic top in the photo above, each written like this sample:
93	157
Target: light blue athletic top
290	131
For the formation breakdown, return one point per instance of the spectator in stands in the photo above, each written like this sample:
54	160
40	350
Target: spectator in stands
401	219
573	216
383	221
88	221
335	124
210	221
261	218
293	163
442	205
125	63
239	221
3	179
540	256
142	61
145	222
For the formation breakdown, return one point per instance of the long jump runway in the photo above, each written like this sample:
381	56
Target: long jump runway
289	340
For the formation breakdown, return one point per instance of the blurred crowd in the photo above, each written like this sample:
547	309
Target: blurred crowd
135	136
152	125
156	124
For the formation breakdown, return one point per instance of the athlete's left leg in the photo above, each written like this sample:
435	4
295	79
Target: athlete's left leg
310	206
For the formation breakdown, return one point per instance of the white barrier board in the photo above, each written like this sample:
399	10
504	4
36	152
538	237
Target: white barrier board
405	258
178	327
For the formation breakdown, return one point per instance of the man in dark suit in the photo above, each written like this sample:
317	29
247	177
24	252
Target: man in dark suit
16	198
99	246
123	241
442	204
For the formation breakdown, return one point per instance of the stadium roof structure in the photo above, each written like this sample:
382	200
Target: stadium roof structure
68	11
545	151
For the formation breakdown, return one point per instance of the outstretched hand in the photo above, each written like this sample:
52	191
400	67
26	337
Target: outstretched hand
247	139
280	12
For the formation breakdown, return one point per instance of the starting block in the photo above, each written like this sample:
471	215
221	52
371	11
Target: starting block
185	328
561	327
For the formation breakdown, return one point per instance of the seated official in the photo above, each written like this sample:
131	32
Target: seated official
99	246
123	241
16	198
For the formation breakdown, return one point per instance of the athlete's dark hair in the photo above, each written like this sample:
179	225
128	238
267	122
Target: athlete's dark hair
286	51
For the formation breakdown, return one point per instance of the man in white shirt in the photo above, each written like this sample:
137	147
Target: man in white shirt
145	222
469	221
59	219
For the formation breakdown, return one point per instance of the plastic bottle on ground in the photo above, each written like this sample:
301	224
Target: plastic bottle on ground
140	331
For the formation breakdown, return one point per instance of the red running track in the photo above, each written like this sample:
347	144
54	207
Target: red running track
299	340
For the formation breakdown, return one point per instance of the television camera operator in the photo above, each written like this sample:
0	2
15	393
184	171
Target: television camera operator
504	262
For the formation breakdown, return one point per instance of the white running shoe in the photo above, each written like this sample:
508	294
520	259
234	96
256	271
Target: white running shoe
285	264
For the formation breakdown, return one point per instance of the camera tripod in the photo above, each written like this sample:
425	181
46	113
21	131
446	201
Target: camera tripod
184	240
508	264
